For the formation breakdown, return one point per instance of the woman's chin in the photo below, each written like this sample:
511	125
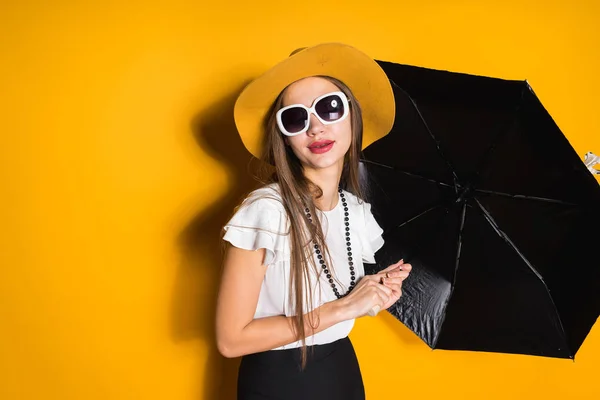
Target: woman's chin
323	161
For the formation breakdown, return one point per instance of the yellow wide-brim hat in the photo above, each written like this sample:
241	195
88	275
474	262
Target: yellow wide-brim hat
365	78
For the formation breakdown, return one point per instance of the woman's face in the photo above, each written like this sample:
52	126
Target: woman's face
321	146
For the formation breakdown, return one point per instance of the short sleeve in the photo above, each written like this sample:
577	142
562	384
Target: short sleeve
372	238
260	223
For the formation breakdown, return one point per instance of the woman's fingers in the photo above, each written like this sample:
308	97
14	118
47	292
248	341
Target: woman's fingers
395	284
397	274
392	278
382	287
375	291
406	267
397	289
371	292
384	292
394	269
393	266
393	281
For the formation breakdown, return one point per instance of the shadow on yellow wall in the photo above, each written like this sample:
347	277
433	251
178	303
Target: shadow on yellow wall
194	312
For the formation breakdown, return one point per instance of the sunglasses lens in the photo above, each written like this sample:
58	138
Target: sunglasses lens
294	119
330	108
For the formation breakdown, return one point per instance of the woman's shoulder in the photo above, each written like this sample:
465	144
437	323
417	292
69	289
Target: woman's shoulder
266	197
260	222
261	209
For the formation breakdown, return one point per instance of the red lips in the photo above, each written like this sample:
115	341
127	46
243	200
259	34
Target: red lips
321	146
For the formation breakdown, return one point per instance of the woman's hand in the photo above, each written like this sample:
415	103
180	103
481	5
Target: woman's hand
379	291
368	293
392	278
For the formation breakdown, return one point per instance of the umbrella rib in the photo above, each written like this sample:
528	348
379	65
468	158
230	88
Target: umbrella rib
463	217
415	217
437	143
411	174
456	265
505	237
525	197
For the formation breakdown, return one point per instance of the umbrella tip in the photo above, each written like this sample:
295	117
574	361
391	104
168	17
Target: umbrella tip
591	160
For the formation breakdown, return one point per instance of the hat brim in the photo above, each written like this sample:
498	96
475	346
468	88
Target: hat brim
365	78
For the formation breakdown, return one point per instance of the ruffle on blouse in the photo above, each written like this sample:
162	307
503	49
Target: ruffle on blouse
373	236
260	223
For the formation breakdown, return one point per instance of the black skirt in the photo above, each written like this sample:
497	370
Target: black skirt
331	373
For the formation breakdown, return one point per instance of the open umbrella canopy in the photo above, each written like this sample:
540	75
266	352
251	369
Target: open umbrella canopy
480	191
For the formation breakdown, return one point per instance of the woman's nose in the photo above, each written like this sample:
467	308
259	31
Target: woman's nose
315	126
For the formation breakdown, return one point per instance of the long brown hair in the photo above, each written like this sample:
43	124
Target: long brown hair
298	193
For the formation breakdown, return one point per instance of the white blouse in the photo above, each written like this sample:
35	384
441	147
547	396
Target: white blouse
261	222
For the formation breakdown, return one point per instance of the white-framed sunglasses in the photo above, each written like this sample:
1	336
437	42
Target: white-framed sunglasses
329	108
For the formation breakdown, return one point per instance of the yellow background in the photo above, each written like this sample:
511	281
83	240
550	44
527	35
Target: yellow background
119	163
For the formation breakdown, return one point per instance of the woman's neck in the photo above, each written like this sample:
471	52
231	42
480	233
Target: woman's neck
328	180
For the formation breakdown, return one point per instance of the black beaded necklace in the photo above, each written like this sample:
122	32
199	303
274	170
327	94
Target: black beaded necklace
348	248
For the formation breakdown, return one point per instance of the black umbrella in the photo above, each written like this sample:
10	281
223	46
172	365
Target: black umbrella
480	191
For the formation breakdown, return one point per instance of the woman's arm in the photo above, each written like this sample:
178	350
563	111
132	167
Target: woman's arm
238	333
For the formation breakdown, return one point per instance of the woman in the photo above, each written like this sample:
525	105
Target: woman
293	279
